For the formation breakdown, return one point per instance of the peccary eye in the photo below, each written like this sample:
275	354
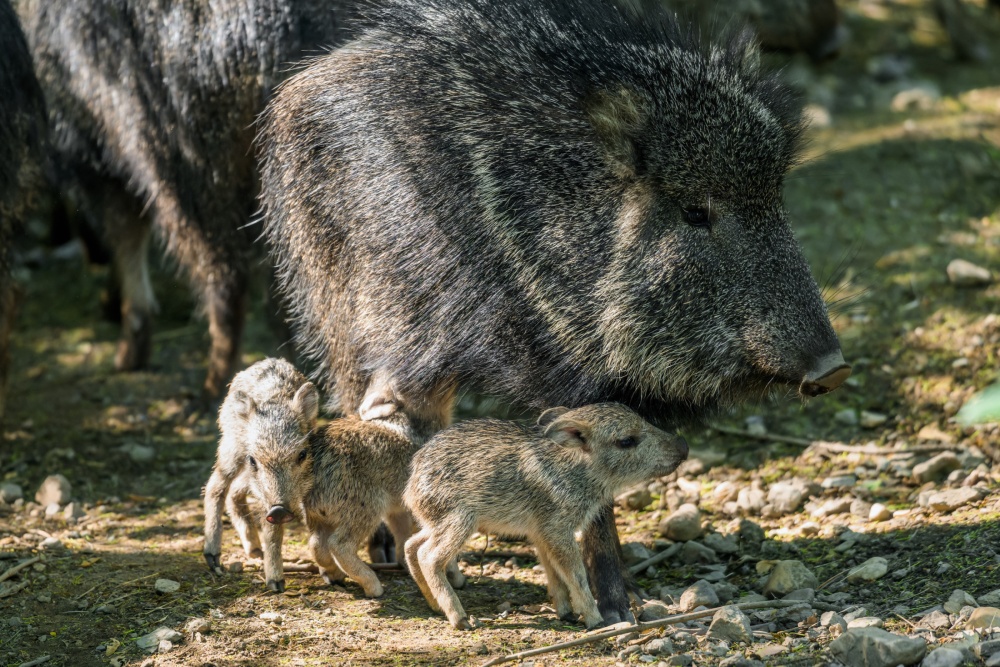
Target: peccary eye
629	442
698	216
303	454
253	462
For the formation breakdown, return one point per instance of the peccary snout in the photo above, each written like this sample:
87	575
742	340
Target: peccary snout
827	374
279	515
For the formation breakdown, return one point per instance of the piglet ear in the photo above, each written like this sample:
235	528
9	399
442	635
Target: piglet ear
569	432
243	404
550	415
306	403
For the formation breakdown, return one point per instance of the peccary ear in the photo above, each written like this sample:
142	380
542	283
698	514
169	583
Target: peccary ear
618	116
549	415
244	404
306	403
569	432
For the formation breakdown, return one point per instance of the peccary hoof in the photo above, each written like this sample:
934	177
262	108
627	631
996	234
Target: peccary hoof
213	562
569	617
256	553
276	586
136	344
331	581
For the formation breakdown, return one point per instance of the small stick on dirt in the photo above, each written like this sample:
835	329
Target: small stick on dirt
36	661
640	627
14	589
132	581
669	552
312	568
905	620
17	568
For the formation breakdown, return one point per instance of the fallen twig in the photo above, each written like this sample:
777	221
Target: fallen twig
36	661
14	589
640	627
669	552
17	568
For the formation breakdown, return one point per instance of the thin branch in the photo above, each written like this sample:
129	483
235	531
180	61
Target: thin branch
17	568
669	552
14	589
36	661
640	627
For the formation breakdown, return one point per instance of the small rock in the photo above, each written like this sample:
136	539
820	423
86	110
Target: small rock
480	649
151	642
635	552
935	620
993	661
831	618
879	512
740	661
636	499
991	599
50	544
787	576
787	497
236	567
10	492
731	625
723	544
659	646
874	647
751	535
51	510
201	625
922	97
871	419
871	570
682	525
943	657
653	610
950	500
803	594
861	508
105	609
832	506
987	648
936	468
840	482
55	489
957	600
698	594
164	646
984	617
933	434
272	617
73	511
848	416
865	622
679	661
751	499
166	586
725	591
966	274
692	552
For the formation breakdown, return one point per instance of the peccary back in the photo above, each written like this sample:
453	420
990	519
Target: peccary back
152	105
548	200
22	132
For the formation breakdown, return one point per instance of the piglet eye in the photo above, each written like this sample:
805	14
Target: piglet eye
698	216
628	443
252	461
303	454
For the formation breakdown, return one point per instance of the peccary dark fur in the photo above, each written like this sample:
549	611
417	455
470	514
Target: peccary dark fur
546	483
152	106
22	136
550	201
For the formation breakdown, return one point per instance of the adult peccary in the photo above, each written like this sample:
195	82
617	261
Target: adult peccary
152	106
22	133
545	482
264	452
550	201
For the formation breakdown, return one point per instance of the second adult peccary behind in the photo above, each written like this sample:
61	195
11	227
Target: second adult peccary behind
545	482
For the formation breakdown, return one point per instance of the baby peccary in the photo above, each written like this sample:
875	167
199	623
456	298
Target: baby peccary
264	451
359	473
545	482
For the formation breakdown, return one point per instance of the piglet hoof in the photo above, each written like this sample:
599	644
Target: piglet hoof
569	617
213	562
375	591
278	586
465	623
256	553
331	581
136	343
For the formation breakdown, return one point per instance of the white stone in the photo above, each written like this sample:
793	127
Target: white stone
682	525
871	570
698	594
870	419
788	575
879	512
950	500
966	274
874	647
151	642
731	625
936	468
55	489
166	586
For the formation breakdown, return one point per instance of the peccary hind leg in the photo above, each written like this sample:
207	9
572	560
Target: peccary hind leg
606	570
129	233
225	304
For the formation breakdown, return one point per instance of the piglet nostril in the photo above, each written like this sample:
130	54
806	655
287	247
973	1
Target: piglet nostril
279	515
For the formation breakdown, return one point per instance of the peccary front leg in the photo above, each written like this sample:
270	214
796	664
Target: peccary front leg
244	520
602	554
328	568
413	564
567	564
557	587
225	304
271	537
433	557
130	244
348	561
215	498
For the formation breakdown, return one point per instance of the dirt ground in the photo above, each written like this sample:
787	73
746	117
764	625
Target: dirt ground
886	199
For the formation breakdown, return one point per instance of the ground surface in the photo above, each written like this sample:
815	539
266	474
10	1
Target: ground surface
886	200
